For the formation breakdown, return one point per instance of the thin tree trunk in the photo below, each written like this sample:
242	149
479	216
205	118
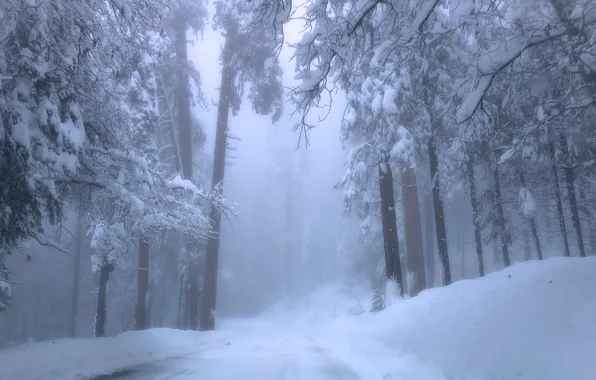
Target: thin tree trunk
141	315
475	216
570	179
532	220
429	240
180	314
76	278
588	215
102	299
495	241
389	222
558	199
439	213
183	301
500	219
527	249
462	249
183	101
413	230
194	293
208	304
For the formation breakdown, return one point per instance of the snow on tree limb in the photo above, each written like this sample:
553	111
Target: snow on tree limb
491	65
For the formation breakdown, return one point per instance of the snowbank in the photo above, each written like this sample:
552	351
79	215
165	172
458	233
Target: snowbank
534	320
70	359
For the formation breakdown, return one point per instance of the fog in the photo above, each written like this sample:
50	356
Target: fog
288	212
387	189
289	233
282	241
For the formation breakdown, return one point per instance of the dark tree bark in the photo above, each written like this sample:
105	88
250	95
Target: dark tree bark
558	199
461	247
102	298
413	230
439	214
475	215
495	244
141	314
588	215
532	221
389	222
527	249
570	180
500	218
76	278
208	303
182	303
429	240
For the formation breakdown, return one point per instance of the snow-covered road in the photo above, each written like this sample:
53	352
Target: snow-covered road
533	320
279	359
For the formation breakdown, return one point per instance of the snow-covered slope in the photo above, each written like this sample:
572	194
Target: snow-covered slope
533	321
72	359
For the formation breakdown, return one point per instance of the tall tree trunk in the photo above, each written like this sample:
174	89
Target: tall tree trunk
495	241
194	292
588	215
475	215
439	213
389	222
76	277
185	141
141	314
500	219
102	299
570	179
413	230
527	249
558	199
429	240
532	220
183	101
207	317
183	317
461	241
179	321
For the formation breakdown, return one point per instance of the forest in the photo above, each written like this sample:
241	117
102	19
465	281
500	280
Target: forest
409	145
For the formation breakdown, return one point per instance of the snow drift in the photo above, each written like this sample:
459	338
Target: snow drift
534	320
76	359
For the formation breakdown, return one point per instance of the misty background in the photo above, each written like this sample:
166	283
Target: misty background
290	237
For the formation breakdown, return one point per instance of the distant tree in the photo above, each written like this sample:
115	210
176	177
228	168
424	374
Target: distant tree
248	60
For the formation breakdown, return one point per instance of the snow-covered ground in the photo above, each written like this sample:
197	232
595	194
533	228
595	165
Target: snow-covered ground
535	320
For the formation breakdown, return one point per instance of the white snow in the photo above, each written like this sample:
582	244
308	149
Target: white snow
473	98
534	320
507	155
540	114
389	101
527	203
425	10
180	183
70	359
531	321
